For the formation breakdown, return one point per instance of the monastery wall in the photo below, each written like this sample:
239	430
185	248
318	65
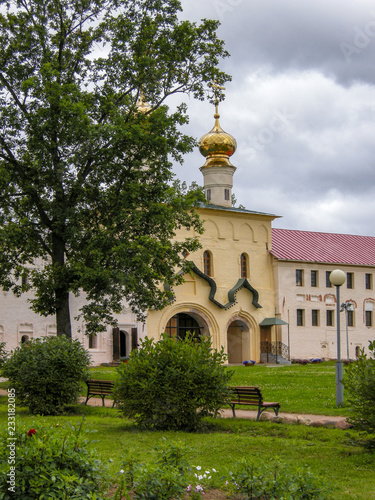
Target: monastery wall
317	337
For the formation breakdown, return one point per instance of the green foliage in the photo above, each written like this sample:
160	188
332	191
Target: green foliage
172	384
360	384
3	353
46	373
273	481
85	173
50	463
164	478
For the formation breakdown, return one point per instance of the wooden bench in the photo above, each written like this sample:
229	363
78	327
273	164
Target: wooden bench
100	388
251	396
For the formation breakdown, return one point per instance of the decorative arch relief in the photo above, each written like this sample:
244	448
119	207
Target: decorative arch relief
232	300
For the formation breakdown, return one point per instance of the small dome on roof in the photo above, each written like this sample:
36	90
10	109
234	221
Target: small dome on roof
217	145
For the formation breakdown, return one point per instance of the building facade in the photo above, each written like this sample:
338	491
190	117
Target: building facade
230	289
261	293
306	299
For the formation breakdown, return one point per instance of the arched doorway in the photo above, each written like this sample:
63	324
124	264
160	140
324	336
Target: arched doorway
180	324
124	341
238	336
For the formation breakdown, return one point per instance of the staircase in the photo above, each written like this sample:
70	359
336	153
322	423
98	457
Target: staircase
274	352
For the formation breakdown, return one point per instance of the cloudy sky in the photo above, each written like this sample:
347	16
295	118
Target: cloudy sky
301	106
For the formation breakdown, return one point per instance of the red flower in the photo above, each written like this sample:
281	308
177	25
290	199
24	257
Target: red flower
31	431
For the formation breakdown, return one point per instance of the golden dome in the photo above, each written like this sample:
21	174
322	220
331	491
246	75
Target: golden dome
142	105
217	146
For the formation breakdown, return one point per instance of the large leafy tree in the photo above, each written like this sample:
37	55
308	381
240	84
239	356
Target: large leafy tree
86	198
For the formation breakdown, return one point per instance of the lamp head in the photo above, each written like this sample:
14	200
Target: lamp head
337	277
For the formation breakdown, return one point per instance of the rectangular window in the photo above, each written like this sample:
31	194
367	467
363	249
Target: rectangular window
300	317
208	194
350	316
368	281
368	318
315	317
299	277
314	278
328	283
93	341
226	194
349	280
329	317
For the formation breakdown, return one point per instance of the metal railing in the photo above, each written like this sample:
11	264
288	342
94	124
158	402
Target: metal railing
274	348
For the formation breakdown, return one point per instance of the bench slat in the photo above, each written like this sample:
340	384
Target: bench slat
251	396
100	388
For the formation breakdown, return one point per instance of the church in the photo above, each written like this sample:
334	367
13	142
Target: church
230	293
262	293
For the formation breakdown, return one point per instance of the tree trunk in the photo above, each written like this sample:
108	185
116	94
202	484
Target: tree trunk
63	313
63	324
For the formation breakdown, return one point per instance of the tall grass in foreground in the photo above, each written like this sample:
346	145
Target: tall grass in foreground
328	453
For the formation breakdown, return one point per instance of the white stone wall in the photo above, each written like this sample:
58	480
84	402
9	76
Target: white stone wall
17	320
321	341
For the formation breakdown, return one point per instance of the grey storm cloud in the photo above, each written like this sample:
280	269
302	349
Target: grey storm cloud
301	105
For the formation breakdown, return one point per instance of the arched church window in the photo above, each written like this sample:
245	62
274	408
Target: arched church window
180	324
244	266
207	263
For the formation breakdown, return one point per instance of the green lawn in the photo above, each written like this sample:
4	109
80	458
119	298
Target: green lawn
329	453
299	388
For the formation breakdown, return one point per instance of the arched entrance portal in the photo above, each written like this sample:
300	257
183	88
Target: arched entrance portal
238	342
180	324
124	340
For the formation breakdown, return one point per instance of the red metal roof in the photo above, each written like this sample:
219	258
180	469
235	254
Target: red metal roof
289	244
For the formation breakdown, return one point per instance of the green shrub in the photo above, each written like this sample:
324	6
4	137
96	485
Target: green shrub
50	463
360	385
46	373
164	479
273	481
172	384
3	353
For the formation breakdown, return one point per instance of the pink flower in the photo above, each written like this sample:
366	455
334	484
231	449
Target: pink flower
31	432
188	488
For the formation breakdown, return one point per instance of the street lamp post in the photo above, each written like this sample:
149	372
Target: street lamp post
338	278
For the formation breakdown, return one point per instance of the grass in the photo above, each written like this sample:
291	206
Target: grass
305	389
330	454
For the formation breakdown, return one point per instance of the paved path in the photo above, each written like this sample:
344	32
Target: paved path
291	418
287	418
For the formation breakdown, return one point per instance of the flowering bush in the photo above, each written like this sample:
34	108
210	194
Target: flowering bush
169	477
165	479
51	462
203	479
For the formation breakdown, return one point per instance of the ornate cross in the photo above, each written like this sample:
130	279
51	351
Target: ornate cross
215	88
